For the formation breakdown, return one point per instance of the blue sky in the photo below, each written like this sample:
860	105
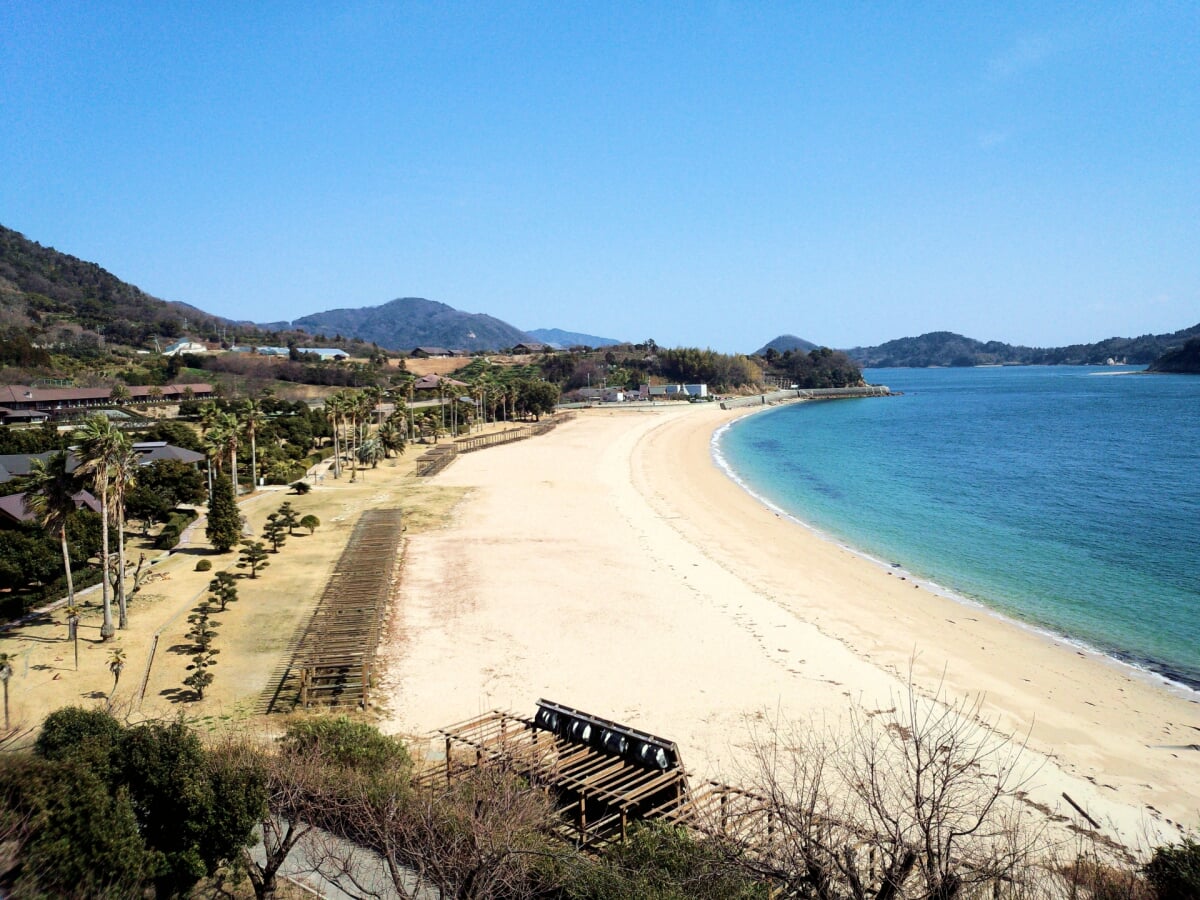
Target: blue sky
709	174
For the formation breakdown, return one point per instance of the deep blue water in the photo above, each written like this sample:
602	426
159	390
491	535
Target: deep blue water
1066	497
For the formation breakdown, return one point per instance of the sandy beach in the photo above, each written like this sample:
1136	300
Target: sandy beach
613	567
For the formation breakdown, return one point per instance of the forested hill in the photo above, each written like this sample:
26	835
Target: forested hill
784	343
412	322
1183	360
944	348
55	297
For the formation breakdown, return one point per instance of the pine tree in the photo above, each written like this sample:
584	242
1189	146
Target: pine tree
201	677
224	521
288	516
203	630
275	531
223	589
253	557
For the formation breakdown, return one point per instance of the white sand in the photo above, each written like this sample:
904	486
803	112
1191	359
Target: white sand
611	566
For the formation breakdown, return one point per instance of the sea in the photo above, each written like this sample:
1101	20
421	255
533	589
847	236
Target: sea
1064	497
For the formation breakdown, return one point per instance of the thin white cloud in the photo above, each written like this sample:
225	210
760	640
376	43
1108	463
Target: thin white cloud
1027	53
990	139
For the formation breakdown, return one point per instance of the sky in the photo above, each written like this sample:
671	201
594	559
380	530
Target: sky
703	174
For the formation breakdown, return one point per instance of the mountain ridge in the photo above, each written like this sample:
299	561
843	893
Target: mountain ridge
408	322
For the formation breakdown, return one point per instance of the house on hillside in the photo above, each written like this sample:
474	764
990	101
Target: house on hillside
430	352
436	383
529	347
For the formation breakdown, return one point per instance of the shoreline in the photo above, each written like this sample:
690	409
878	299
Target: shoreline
1141	668
612	566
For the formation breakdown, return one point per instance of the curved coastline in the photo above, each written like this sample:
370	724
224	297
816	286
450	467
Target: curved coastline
613	566
1155	673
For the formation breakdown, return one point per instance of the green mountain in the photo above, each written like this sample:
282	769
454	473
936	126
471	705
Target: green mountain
944	348
413	322
55	298
784	343
1182	360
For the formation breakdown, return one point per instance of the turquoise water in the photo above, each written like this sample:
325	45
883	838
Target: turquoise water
1066	497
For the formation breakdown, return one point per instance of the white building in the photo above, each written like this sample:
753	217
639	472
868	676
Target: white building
185	346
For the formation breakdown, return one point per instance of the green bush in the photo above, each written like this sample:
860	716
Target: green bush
177	521
1174	871
204	565
346	743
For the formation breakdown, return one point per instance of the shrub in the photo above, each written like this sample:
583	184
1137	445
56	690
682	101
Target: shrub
355	745
301	487
1174	870
204	565
177	521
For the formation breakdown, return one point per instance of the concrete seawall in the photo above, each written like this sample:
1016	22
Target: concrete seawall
872	390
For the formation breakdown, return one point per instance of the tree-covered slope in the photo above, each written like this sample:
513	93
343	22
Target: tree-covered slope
411	322
52	295
1182	360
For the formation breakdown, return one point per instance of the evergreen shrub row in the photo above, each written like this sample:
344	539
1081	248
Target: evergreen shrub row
177	521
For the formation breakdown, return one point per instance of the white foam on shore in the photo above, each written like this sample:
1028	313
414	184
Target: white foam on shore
1141	671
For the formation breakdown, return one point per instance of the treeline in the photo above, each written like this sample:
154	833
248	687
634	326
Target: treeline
100	809
820	368
629	365
1185	360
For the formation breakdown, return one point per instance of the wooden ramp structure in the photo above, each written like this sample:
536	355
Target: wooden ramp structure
333	660
604	775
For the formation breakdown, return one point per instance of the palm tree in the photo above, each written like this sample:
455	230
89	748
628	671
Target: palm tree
228	425
72	612
371	451
124	474
50	495
333	410
391	434
6	671
253	418
116	665
99	444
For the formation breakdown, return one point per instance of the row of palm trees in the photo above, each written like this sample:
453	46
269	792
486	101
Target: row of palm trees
107	466
223	431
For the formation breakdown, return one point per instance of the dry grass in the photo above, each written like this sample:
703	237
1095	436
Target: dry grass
254	632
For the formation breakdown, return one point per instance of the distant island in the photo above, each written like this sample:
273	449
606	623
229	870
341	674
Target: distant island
947	349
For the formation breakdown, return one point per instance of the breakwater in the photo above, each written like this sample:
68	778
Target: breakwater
870	390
